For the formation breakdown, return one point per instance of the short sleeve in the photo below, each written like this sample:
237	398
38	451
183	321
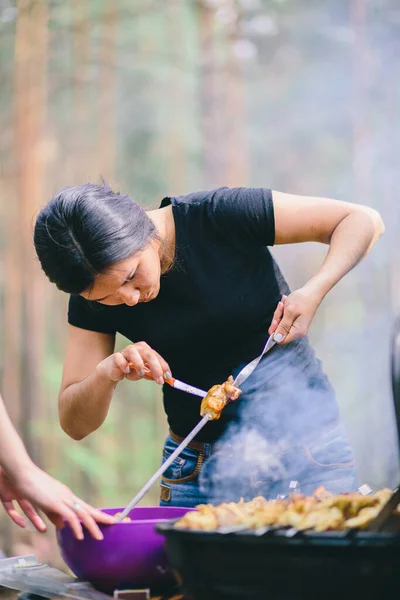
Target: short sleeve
88	315
242	216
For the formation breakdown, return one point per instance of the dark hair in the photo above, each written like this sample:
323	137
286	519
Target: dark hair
84	230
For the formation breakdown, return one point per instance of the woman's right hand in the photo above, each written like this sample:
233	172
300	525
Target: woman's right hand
133	363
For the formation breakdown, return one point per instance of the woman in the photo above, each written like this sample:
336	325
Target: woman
22	481
193	285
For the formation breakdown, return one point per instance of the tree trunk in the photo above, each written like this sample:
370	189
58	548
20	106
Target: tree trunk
235	114
106	140
83	154
175	122
30	103
213	159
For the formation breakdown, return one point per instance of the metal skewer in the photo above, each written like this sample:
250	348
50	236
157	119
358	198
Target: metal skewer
163	468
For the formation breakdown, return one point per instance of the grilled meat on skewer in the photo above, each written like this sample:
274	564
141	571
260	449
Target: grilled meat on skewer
218	397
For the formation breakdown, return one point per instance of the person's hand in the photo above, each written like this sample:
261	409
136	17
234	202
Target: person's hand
293	316
133	363
51	496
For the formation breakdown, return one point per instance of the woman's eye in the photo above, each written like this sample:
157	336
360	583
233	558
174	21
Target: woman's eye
131	277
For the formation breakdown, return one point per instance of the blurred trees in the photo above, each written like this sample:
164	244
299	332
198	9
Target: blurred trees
166	98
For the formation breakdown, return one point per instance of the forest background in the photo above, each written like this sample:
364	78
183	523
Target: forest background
168	97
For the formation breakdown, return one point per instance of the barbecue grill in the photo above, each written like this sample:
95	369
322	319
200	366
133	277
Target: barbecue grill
278	564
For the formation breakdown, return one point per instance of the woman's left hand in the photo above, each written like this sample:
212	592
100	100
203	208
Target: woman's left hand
293	316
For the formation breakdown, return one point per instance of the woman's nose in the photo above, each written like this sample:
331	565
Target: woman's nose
129	296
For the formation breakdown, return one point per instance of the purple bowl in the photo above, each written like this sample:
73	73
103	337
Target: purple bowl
131	556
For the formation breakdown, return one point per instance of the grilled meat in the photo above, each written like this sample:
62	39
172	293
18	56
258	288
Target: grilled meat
209	517
218	397
320	512
124	520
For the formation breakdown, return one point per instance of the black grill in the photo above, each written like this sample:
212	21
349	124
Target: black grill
246	566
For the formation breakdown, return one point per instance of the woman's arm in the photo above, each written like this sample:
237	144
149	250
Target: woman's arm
351	230
91	372
86	388
22	481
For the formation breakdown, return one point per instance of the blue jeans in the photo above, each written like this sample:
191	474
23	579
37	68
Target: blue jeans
284	428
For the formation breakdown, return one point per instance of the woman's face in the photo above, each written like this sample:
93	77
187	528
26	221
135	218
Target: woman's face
135	279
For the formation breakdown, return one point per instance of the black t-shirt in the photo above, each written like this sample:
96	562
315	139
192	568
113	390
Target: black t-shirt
214	306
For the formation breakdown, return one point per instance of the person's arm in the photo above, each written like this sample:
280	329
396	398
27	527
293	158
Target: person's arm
351	230
13	455
91	372
22	481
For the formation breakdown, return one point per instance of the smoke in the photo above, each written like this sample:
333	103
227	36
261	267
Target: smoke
284	428
242	461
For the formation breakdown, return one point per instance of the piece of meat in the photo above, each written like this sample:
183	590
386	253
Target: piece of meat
124	520
321	493
218	397
364	517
